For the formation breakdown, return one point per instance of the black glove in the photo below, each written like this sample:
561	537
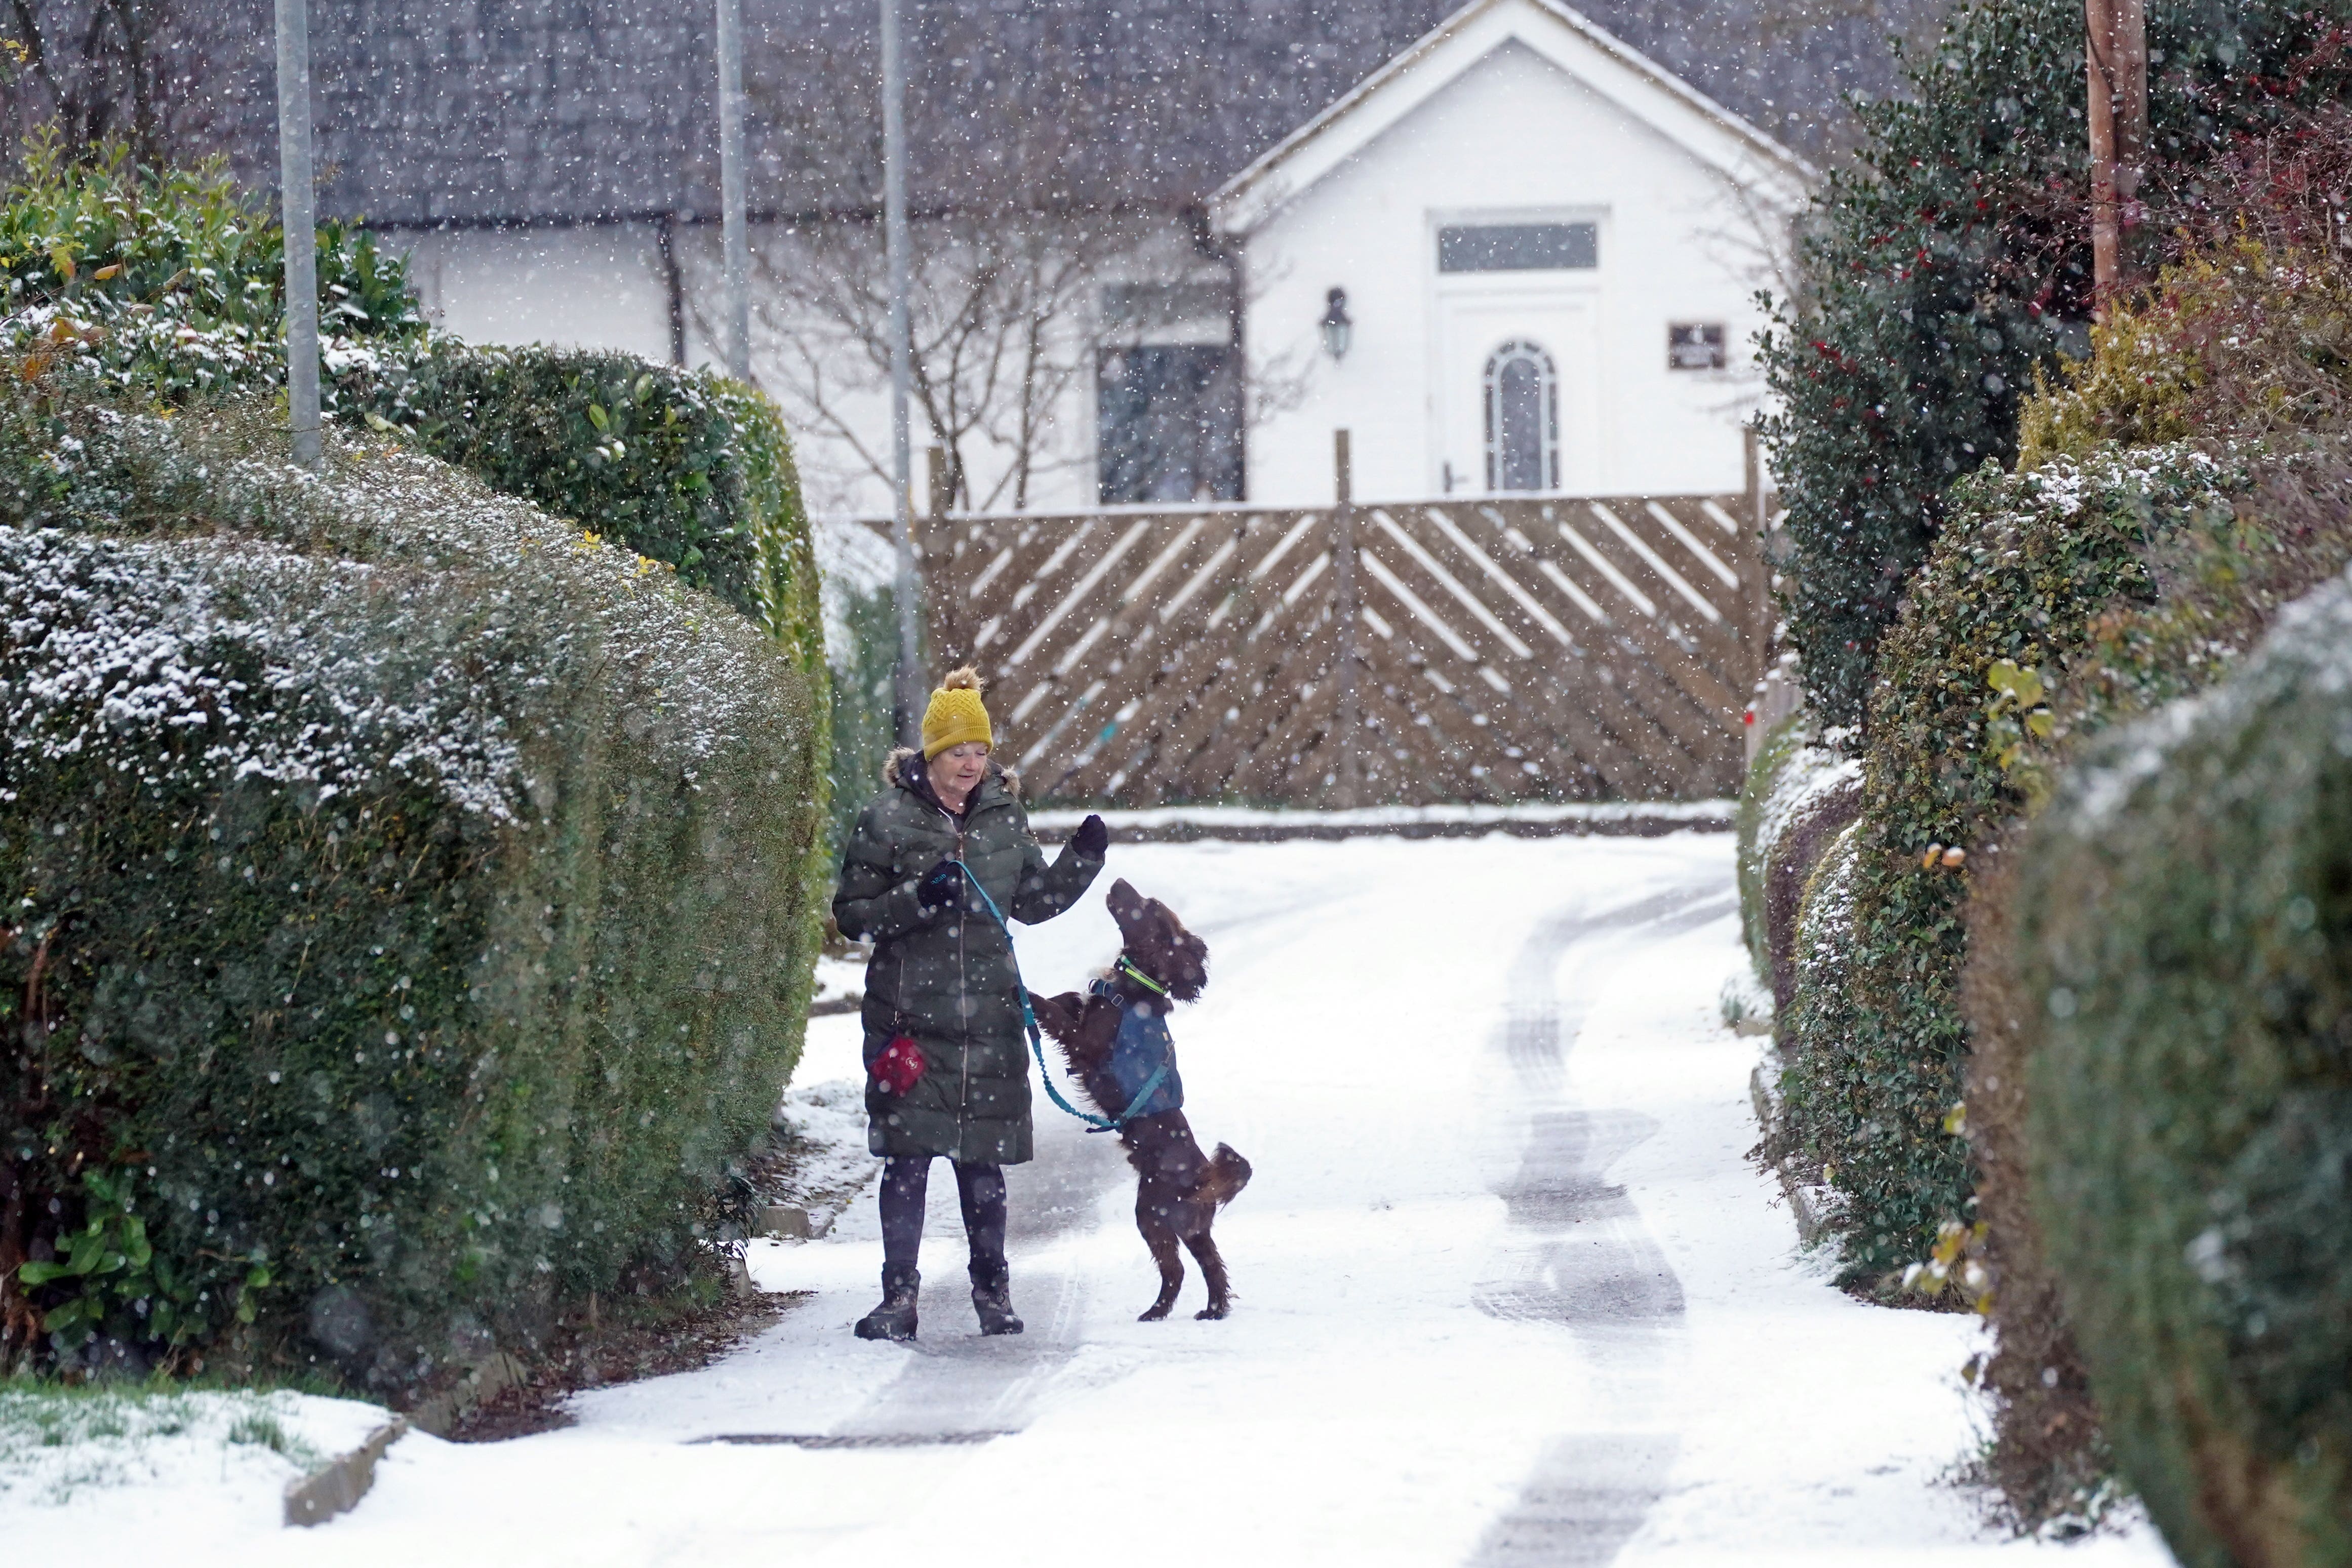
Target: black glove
1091	839
941	885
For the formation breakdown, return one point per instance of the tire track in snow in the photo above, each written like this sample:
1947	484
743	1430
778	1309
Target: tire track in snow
1580	1256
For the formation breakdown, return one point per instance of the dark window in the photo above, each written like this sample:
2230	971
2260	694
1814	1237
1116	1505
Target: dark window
1518	247
1169	424
1522	420
1695	346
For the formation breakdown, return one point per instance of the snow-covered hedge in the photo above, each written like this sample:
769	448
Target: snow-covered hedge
2016	585
692	470
409	895
2185	924
1797	796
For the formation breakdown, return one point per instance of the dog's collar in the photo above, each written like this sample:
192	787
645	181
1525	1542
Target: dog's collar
1126	965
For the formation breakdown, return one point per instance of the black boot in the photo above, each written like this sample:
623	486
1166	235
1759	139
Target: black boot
895	1318
991	1298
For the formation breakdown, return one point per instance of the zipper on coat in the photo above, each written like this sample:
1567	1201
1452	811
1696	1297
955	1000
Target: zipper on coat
963	992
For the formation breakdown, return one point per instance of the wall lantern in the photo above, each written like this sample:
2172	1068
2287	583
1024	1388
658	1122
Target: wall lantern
1337	326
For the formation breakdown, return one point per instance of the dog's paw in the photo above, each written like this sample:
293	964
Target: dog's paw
1057	1016
1212	1311
1152	1314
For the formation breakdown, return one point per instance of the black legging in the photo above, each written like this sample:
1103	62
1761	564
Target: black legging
980	1188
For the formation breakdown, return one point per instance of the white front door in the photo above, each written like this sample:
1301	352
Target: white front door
1514	390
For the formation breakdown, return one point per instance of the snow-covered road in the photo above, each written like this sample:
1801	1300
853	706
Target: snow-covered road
1508	1291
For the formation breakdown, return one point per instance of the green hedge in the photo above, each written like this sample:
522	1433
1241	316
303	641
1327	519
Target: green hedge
1874	1066
2185	922
1934	274
2099	580
1823	948
864	646
687	469
409	895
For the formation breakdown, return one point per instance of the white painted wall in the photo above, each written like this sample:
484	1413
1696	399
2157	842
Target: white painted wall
600	288
1513	138
605	286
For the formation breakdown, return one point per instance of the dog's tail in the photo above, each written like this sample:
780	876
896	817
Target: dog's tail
1228	1173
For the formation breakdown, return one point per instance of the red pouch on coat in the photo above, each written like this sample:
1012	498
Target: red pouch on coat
900	1063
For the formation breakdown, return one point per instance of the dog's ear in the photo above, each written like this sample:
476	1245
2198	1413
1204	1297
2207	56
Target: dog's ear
1059	1016
1187	971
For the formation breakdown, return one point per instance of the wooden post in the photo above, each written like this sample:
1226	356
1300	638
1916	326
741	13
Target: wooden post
1346	716
2116	52
935	474
1757	574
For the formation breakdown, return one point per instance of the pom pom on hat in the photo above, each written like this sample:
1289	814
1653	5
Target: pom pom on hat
956	714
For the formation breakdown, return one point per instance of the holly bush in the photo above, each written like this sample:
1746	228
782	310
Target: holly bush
1951	266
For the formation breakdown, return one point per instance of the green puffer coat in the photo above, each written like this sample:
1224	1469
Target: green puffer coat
947	976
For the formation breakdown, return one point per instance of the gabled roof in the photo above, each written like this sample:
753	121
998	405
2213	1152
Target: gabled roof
482	111
1624	77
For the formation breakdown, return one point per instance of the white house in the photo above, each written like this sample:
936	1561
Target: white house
1517	255
1547	251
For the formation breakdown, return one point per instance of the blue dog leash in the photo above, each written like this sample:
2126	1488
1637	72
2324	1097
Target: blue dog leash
1029	1021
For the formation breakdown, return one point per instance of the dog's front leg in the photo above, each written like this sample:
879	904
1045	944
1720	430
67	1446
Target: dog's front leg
1057	1016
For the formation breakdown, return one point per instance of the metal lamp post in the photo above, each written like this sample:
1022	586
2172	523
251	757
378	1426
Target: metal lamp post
735	237
300	219
902	356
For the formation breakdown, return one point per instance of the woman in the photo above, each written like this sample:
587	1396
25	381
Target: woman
946	1055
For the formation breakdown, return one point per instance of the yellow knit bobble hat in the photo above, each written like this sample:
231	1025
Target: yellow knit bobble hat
956	714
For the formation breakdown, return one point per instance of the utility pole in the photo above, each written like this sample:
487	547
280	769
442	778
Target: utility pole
735	238
902	358
299	217
2115	38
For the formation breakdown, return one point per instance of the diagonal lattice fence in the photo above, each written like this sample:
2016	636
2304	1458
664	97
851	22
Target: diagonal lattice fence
1490	650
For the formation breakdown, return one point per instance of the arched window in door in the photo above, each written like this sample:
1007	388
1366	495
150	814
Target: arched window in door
1522	419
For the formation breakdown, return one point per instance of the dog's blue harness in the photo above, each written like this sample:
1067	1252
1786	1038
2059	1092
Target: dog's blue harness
1150	1033
1142	1057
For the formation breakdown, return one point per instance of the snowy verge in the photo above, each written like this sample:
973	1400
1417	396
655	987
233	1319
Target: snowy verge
206	1461
1262	823
820	1136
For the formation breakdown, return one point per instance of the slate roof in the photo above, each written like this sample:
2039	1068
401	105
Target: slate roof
481	111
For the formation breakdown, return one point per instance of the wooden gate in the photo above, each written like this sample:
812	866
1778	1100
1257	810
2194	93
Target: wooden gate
1490	650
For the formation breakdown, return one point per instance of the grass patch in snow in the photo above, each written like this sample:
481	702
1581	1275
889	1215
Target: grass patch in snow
57	1442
